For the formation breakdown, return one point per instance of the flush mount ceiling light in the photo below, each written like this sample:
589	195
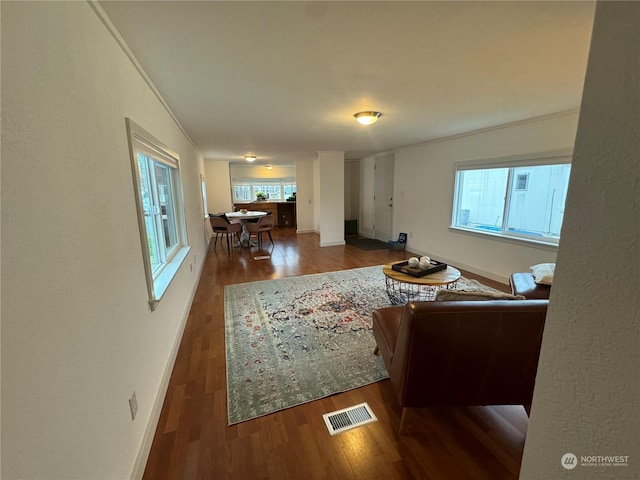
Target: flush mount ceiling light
269	167
367	118
250	158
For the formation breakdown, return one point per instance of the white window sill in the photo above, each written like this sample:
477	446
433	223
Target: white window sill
506	238
162	281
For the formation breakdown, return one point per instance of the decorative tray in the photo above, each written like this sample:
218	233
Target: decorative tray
403	267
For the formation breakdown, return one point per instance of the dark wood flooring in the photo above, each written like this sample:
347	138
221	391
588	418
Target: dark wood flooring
193	440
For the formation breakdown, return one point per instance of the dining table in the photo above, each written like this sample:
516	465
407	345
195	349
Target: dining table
243	217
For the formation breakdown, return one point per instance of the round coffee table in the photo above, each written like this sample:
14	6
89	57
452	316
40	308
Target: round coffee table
403	288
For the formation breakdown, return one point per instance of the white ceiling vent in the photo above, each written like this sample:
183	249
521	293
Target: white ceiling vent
348	418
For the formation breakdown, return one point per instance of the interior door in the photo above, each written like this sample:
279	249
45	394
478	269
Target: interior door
383	197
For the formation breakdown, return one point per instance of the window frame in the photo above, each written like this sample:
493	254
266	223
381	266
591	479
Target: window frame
555	157
203	192
141	141
255	183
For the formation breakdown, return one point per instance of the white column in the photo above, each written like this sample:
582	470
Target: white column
331	198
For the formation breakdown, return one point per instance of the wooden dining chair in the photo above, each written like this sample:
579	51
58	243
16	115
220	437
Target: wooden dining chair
264	224
221	226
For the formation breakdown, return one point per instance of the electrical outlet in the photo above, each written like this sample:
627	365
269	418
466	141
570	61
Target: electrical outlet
133	405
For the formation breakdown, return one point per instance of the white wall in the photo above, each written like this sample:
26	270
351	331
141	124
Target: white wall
259	171
216	174
316	195
347	188
331	199
78	336
304	197
423	194
586	400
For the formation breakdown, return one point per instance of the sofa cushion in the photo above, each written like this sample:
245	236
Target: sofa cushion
445	295
543	273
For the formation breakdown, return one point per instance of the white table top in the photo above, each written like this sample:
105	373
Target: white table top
246	216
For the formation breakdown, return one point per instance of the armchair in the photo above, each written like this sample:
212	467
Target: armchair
264	224
454	353
221	226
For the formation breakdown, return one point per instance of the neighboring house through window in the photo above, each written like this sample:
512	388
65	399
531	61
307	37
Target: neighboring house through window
519	197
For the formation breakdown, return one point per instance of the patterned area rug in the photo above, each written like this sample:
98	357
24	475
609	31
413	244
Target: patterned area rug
297	339
293	340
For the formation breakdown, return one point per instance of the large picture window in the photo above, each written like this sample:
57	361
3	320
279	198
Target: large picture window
276	189
519	199
156	179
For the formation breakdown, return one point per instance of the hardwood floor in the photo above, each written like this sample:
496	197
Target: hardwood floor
193	440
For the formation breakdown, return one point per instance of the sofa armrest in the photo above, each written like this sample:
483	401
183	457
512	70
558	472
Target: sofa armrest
386	323
524	284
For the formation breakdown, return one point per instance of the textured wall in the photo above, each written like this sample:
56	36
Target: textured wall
587	390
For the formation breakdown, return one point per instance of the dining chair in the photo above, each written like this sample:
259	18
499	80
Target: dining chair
221	226
264	224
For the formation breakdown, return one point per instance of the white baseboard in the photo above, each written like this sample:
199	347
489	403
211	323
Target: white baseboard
152	425
332	244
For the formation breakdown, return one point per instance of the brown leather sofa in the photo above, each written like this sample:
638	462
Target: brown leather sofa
461	352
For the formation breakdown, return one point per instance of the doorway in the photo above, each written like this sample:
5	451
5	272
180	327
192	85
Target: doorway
383	197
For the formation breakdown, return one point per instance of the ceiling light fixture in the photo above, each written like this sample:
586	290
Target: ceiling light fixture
268	167
367	118
250	158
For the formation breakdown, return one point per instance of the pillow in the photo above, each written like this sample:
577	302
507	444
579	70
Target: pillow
543	273
445	295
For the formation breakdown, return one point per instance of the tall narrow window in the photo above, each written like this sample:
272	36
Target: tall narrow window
156	179
203	190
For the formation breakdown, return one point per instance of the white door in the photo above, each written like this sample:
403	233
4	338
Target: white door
383	197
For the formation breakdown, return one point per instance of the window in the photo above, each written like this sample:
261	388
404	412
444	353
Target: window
521	199
276	189
156	179
203	190
242	193
289	190
522	181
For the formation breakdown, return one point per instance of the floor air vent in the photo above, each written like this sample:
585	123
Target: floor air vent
348	418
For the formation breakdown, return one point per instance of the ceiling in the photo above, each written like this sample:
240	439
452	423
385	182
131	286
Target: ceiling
282	80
